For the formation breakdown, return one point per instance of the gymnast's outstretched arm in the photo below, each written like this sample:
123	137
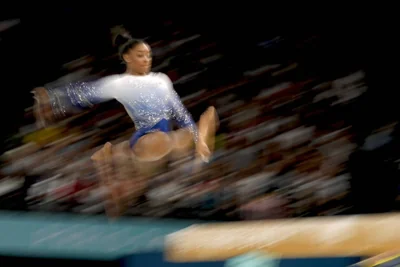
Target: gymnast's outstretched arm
55	103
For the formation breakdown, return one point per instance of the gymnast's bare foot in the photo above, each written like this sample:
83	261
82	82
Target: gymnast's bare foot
208	125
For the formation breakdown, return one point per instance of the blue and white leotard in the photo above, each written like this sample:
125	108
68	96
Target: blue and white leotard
150	101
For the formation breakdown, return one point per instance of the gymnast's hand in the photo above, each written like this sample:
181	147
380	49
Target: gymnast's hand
42	108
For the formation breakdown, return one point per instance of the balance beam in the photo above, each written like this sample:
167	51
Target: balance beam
339	236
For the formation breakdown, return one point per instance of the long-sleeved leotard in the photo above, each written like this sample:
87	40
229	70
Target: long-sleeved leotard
149	100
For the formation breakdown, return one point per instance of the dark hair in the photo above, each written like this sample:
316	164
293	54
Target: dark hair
123	40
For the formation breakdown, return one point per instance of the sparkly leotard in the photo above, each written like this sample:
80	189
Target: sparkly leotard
149	100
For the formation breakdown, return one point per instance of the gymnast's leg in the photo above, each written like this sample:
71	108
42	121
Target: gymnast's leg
136	164
155	146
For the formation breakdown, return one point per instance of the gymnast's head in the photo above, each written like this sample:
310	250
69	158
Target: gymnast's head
135	53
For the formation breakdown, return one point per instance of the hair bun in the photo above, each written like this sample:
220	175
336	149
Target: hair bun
120	36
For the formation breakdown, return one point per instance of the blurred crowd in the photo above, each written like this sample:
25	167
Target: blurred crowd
282	149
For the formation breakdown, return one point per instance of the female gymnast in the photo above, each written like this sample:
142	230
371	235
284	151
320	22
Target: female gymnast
148	97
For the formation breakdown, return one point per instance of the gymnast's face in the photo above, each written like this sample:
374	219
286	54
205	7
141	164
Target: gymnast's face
138	59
